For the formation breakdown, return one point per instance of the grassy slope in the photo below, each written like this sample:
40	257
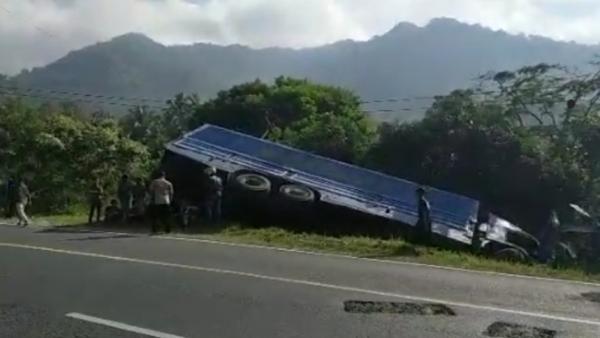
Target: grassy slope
396	249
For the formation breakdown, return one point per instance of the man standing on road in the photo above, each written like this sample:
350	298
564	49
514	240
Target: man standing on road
96	195
23	199
161	195
423	226
11	198
139	199
212	202
125	194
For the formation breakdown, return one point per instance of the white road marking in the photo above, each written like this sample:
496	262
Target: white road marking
542	315
121	326
375	260
334	255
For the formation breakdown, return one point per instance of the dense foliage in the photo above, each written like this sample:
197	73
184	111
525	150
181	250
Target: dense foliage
318	118
61	153
522	142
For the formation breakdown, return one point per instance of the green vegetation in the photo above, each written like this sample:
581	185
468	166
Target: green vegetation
513	143
60	151
392	249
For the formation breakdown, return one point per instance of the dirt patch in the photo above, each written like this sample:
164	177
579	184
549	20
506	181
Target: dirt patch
355	306
592	296
512	330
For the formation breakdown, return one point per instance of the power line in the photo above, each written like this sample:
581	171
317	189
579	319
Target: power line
398	99
82	94
91	100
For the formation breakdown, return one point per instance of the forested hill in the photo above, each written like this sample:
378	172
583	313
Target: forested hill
407	61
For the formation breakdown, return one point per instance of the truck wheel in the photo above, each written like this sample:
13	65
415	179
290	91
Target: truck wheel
298	193
510	254
252	182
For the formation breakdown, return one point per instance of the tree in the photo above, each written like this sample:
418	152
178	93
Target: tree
61	153
318	118
330	135
149	128
472	147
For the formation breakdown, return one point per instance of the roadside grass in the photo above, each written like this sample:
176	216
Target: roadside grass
392	249
53	220
61	220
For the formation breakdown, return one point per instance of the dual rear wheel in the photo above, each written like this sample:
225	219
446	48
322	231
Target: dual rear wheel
250	182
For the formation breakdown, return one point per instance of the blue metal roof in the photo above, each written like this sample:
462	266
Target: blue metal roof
337	182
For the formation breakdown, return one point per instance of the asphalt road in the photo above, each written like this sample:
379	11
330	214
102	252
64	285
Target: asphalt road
65	283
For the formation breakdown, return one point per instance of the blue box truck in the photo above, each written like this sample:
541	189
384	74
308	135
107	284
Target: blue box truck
259	165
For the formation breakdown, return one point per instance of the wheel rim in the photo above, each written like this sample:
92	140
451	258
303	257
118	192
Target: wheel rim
253	182
297	192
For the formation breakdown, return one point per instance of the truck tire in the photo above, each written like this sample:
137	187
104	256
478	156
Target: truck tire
252	182
511	254
298	193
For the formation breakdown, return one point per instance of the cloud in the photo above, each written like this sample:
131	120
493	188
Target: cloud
35	32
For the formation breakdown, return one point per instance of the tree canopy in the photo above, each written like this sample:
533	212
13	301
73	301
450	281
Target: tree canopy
322	119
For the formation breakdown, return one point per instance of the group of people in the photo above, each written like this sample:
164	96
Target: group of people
16	198
130	201
136	200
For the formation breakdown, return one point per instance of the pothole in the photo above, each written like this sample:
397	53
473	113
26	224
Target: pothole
592	296
356	306
512	330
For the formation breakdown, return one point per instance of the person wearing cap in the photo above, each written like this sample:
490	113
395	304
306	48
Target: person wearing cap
423	226
212	202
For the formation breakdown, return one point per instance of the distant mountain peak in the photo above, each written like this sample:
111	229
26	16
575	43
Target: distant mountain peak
408	61
401	29
133	38
445	21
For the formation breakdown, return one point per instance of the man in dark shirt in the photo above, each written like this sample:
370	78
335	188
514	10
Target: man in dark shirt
11	198
112	213
423	226
212	203
125	194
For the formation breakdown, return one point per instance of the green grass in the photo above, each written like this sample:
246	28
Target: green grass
53	220
396	249
60	220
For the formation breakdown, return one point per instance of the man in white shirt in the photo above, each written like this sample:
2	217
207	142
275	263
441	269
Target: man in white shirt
161	195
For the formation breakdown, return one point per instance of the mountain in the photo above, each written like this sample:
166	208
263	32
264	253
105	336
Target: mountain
408	61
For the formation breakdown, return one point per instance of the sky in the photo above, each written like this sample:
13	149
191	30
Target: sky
36	32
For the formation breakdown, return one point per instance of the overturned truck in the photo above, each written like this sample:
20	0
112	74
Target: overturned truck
272	171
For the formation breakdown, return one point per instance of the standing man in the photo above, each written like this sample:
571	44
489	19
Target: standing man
23	199
11	198
212	203
161	196
96	196
139	197
125	194
423	226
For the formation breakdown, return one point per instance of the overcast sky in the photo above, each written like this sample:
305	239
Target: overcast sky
35	32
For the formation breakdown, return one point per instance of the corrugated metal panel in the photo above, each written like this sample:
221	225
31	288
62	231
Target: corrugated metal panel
338	183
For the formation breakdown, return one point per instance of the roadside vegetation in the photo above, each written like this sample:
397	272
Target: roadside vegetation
523	142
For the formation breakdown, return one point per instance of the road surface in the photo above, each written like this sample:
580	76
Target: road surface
74	283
